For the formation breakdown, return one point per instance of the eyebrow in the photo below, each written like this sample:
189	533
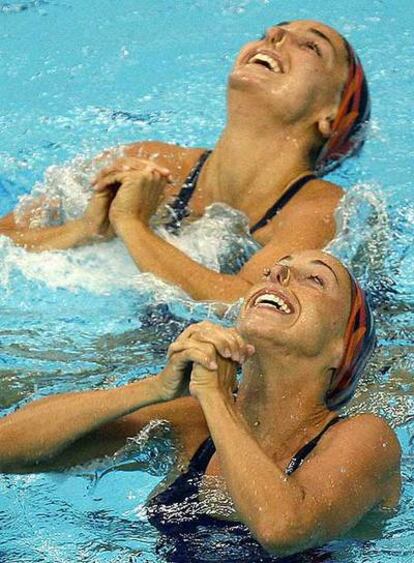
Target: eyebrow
322	35
322	263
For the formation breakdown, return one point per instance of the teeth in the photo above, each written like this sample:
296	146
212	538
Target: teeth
273	300
262	58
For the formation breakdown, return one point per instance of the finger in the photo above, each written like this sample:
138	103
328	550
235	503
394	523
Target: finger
108	181
228	342
239	345
160	174
141	164
205	347
100	177
223	343
194	355
119	166
156	176
199	349
208	332
249	348
227	371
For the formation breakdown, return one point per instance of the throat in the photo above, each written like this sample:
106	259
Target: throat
280	416
254	184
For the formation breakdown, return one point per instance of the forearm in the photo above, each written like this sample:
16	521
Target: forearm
61	237
153	254
45	427
266	501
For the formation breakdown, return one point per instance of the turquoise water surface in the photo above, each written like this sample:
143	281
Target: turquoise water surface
79	76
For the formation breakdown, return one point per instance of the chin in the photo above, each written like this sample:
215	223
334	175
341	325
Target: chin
243	78
257	332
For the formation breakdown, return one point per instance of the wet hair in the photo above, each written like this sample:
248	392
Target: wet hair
360	341
350	126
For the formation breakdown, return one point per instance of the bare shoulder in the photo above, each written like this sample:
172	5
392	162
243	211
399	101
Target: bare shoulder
307	220
361	455
370	434
369	424
322	188
175	157
318	198
377	428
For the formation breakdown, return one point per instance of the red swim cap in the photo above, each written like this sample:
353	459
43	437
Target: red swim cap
350	126
360	341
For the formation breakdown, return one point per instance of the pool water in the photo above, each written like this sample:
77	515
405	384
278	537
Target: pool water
77	77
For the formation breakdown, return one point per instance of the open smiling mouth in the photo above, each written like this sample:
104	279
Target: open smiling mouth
267	61
273	301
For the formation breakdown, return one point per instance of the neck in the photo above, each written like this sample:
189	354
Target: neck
252	164
281	411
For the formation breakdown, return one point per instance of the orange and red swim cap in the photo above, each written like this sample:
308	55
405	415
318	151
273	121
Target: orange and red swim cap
350	125
360	341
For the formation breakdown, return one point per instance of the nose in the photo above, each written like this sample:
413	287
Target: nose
280	273
276	35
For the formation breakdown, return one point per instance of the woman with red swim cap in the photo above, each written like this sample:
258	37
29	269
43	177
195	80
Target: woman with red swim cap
298	104
288	470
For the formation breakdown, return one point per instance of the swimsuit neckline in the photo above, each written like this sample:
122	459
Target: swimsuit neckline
179	207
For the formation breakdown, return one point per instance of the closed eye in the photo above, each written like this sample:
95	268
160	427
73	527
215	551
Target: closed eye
313	46
317	280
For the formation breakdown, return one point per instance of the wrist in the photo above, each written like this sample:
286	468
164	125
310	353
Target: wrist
125	223
218	409
161	394
82	231
145	391
214	397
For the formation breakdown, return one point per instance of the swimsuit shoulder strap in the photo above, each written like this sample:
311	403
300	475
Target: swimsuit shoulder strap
300	456
282	201
206	450
202	457
178	207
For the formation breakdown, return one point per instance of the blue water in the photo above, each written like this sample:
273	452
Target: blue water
77	77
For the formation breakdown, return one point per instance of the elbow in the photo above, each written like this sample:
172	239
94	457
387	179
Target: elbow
283	538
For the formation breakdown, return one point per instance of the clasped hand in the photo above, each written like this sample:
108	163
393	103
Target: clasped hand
131	188
204	358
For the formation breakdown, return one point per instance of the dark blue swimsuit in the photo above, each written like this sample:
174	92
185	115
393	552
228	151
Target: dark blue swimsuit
187	534
179	208
175	509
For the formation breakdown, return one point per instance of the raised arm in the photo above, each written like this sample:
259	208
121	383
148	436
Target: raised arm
355	468
308	225
92	227
41	430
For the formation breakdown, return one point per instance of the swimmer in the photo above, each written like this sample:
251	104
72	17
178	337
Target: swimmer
298	103
297	473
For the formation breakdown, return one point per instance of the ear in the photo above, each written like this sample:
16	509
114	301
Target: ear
325	125
337	353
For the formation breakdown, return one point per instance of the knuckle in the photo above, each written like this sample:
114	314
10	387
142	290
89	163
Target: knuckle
173	347
210	349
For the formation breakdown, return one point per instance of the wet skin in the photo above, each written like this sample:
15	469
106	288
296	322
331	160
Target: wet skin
283	95
288	345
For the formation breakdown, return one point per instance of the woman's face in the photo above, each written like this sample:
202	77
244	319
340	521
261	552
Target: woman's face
302	305
298	67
